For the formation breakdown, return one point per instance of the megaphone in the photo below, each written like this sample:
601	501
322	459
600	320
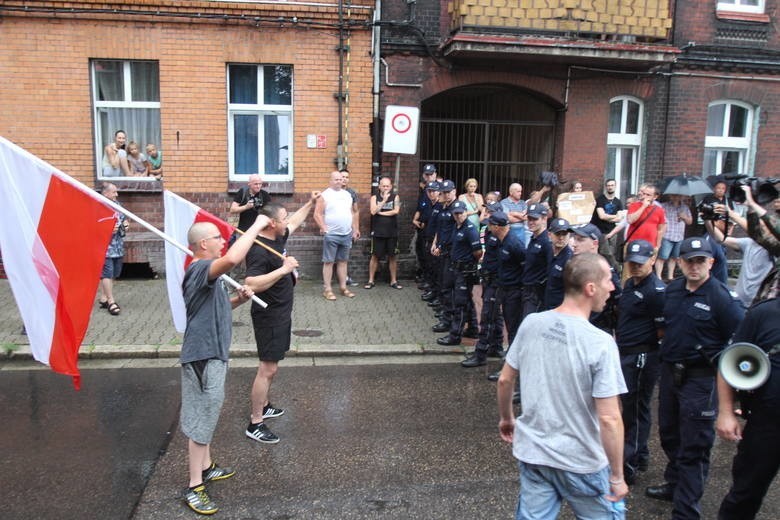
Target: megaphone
744	366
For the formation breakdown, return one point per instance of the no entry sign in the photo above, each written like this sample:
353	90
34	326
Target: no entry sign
401	125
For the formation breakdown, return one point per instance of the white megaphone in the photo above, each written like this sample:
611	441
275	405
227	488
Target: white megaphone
744	366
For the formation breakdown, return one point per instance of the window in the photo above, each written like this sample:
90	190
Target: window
743	6
126	96
727	144
260	121
624	142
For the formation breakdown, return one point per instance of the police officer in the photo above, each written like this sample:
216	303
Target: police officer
758	454
442	245
700	314
423	206
511	259
420	221
558	231
538	257
434	261
585	239
491	322
465	254
639	329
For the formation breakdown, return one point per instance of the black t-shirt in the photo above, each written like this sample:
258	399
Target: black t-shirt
279	296
248	217
384	226
610	207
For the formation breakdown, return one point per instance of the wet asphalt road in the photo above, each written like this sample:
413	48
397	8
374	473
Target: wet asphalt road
393	441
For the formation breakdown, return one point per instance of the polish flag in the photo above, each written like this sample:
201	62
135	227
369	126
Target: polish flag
180	215
54	232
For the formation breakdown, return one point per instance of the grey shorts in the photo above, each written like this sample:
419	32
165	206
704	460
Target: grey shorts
201	399
335	248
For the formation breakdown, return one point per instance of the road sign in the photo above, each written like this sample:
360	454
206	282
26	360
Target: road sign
401	124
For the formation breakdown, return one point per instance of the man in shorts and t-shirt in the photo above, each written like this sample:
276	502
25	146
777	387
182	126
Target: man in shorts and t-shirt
271	274
204	352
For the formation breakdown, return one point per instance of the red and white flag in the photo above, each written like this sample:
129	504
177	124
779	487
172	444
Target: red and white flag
180	215
54	232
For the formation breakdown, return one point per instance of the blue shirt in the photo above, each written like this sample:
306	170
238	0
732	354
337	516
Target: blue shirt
707	316
640	312
553	292
465	241
433	220
537	259
445	225
511	256
424	208
490	257
507	204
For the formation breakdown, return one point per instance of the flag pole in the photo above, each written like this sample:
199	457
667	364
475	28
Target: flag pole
116	207
267	248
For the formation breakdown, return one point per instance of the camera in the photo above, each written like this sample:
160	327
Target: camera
549	179
707	212
763	189
257	202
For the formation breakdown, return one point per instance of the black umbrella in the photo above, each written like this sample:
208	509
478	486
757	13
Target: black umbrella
687	185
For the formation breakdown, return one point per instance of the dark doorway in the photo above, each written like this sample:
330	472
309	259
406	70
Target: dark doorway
493	133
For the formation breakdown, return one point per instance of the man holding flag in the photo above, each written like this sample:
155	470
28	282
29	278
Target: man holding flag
271	272
204	353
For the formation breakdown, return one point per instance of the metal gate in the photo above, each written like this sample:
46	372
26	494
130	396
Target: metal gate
484	141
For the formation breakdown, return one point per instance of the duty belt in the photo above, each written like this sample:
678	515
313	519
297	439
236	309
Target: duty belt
638	349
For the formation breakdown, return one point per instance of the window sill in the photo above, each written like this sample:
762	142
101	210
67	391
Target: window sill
128	184
737	16
274	188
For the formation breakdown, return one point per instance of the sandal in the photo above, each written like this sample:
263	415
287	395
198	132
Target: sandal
369	285
347	293
395	285
103	304
113	309
328	295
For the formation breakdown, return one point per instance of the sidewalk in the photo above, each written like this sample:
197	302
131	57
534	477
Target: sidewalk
380	321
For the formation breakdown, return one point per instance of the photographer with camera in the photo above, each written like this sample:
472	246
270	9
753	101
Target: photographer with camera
248	201
764	227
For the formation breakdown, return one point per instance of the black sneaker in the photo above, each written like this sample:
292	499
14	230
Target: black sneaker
474	360
270	411
215	472
471	333
261	433
352	283
441	327
199	501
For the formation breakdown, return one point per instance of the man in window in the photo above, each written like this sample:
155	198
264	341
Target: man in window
248	201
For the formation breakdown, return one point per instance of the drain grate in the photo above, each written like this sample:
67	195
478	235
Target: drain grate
307	333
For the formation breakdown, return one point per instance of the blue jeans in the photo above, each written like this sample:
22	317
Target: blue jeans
542	489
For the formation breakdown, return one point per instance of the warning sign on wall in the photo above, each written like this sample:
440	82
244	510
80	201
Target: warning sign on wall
401	125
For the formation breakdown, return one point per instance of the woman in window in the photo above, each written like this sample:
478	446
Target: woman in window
115	157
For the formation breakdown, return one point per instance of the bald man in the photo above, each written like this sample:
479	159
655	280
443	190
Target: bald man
248	201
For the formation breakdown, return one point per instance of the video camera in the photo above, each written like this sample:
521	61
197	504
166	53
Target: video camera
762	188
257	202
707	211
549	179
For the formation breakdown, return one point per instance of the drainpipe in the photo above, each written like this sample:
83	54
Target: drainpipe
340	94
377	47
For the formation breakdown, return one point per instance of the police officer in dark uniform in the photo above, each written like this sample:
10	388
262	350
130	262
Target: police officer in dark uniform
491	322
442	244
639	329
758	453
558	231
420	219
538	257
700	315
465	253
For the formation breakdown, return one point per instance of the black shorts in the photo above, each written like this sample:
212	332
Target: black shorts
384	246
273	342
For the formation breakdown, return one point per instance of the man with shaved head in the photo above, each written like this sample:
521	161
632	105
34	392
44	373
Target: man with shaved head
248	201
204	352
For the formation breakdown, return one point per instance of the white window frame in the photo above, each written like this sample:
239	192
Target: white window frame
741	7
621	140
260	109
724	144
98	105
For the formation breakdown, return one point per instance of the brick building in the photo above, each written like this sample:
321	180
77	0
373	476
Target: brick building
628	89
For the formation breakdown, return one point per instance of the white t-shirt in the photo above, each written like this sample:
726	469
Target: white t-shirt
564	363
338	211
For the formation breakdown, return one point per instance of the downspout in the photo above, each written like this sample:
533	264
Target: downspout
340	94
377	43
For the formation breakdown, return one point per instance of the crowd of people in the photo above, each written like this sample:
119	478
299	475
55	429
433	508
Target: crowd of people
585	413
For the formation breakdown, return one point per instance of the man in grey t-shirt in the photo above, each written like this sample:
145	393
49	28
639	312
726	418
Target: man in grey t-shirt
204	351
570	432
